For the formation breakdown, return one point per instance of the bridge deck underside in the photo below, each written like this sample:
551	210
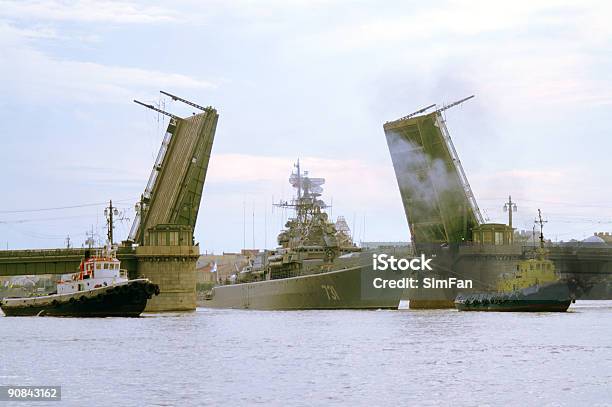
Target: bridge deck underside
432	193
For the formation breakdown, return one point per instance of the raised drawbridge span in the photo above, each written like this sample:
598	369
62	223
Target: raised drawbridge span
437	197
174	190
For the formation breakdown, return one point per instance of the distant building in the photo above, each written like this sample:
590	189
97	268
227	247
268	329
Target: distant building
528	237
385	245
249	252
605	236
219	267
521	236
594	241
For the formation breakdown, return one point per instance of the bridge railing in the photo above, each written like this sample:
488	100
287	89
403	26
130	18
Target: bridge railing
41	253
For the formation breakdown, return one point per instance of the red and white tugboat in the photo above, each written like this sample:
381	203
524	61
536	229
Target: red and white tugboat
99	289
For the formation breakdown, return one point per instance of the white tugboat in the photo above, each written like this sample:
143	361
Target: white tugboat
99	289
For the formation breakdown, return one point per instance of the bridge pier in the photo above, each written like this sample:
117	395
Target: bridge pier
168	259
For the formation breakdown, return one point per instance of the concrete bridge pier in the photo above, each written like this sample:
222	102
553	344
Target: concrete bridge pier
168	259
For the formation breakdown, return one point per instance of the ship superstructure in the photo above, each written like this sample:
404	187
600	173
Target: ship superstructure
100	270
310	242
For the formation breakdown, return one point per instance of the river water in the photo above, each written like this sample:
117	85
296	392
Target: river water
235	357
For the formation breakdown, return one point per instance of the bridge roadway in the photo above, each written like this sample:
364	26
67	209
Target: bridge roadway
54	261
589	260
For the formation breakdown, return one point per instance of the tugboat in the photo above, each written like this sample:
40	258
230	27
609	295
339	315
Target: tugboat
99	289
534	286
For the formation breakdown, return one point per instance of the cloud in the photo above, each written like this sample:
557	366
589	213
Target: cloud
540	72
36	77
347	180
560	192
522	55
448	22
86	11
243	183
518	175
29	33
231	174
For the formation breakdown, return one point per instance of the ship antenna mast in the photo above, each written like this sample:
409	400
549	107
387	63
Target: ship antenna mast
110	212
299	179
541	222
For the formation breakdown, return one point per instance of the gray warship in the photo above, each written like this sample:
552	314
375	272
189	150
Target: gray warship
316	265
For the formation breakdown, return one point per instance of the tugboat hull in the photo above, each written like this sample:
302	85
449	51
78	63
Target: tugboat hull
523	306
554	297
126	299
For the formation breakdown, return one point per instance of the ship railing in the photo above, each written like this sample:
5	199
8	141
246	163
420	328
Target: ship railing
277	274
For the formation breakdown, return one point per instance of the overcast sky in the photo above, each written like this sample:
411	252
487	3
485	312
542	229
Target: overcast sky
308	79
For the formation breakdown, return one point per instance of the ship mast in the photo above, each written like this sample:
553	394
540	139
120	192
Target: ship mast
541	222
306	204
299	176
110	212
